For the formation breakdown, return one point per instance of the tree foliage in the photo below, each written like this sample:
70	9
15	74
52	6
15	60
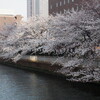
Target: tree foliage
75	35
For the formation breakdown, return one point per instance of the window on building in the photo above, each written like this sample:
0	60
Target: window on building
30	7
60	3
64	2
68	1
56	4
77	8
68	10
50	6
64	10
72	8
37	7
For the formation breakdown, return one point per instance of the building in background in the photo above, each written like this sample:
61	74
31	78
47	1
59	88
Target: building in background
60	6
37	8
6	19
47	7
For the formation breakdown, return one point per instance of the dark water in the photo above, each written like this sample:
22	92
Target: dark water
16	84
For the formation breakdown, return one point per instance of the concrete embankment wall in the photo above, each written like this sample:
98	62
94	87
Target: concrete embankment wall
39	66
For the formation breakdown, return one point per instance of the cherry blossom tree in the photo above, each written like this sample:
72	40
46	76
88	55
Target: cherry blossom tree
72	37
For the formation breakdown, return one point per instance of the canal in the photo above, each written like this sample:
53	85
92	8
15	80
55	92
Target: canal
16	84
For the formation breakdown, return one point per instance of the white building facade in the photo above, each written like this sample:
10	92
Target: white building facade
37	8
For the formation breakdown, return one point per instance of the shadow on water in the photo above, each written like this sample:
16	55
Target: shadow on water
16	84
92	88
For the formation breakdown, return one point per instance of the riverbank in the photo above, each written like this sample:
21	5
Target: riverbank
40	66
44	65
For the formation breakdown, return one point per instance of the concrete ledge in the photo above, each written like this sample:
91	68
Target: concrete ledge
26	64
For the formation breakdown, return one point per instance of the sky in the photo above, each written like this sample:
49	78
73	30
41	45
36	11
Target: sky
14	7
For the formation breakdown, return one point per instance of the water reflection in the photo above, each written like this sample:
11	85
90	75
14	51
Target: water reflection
17	84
